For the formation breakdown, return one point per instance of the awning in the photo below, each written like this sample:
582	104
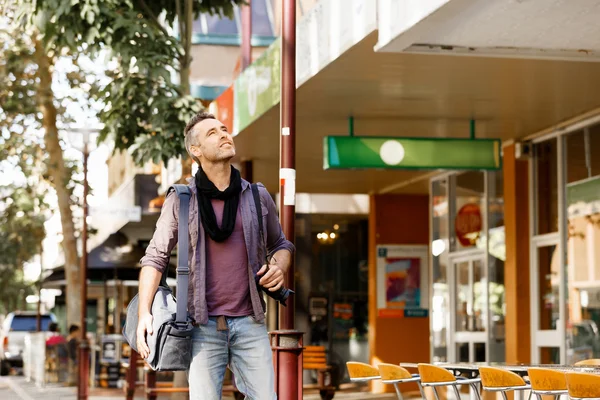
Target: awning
395	94
115	259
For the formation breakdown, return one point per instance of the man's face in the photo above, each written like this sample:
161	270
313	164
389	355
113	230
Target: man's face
213	141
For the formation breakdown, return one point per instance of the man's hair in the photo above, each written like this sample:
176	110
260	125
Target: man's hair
73	328
189	136
53	327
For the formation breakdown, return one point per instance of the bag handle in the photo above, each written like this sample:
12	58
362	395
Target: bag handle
183	270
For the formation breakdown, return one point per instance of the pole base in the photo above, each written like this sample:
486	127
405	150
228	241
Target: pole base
83	383
287	349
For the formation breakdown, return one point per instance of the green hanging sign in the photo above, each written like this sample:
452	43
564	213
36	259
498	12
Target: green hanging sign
356	152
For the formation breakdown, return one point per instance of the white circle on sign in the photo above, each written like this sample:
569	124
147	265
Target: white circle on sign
391	152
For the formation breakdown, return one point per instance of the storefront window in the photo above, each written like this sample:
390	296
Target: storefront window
467	222
546	193
468	254
496	258
594	149
471	310
583	243
576	169
548	262
439	250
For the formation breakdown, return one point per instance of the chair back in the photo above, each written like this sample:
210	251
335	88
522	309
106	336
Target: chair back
392	372
544	379
590	362
434	374
360	372
499	378
583	386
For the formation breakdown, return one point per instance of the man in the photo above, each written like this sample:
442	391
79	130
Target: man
226	252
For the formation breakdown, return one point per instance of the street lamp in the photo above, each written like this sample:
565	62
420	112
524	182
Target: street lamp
84	347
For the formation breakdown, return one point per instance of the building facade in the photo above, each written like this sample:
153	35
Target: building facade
511	268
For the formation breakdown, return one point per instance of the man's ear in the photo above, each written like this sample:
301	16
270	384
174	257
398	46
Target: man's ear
197	152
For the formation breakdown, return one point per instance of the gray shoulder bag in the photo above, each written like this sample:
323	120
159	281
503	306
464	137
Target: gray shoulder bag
171	341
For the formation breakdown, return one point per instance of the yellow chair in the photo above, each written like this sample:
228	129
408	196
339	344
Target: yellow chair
361	372
393	375
434	377
592	362
547	382
501	380
583	386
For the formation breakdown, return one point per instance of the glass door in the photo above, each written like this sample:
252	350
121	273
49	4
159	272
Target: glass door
547	325
469	307
467	267
547	265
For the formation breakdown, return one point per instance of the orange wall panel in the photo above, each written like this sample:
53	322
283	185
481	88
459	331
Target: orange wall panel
516	266
396	219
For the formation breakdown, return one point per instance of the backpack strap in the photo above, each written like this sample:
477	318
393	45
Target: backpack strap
261	229
183	269
258	207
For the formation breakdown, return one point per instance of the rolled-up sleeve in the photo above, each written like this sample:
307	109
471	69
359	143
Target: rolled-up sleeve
276	240
165	236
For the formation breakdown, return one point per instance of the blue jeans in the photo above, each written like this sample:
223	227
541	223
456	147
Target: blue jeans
244	347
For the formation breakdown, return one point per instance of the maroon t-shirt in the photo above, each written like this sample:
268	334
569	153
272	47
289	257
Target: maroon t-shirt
227	290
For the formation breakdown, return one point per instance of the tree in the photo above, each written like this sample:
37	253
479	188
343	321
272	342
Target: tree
147	100
30	115
21	235
23	207
145	108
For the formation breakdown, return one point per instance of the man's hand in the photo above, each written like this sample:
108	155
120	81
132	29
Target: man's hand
144	325
272	279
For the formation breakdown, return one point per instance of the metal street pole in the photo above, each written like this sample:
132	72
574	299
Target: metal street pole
246	35
84	349
287	342
287	174
38	322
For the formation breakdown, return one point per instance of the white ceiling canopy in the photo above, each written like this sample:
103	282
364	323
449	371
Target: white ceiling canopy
550	29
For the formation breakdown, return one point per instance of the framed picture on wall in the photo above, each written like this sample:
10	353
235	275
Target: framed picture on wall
402	280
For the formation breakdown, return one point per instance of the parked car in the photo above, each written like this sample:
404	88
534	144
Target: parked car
12	337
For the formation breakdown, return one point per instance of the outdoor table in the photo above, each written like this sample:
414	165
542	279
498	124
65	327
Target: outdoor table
471	370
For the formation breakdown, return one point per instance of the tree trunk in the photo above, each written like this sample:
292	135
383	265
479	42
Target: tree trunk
59	177
184	76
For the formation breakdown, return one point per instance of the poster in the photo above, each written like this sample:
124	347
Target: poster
402	281
343	320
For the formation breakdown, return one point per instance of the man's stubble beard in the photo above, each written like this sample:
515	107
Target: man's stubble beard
226	156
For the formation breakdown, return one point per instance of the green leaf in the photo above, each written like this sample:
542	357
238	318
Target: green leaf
90	17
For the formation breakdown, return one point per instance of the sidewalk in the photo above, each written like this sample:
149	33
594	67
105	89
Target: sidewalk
15	387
